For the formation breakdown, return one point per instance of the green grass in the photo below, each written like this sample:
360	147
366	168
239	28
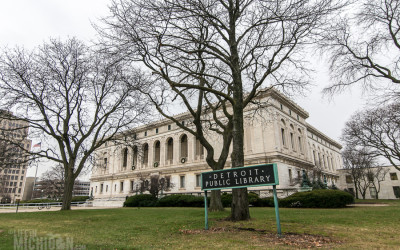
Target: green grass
144	228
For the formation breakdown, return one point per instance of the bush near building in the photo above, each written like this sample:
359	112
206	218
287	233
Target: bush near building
141	200
180	200
321	198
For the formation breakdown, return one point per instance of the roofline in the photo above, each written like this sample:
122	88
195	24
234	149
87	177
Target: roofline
325	137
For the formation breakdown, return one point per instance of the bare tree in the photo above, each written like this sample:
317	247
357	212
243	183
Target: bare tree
377	129
158	184
217	55
375	177
364	46
73	98
52	182
359	162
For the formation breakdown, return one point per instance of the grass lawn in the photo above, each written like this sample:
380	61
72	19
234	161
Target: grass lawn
127	228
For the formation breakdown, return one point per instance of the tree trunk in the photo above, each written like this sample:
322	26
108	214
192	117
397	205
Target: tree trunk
68	188
216	203
240	202
355	186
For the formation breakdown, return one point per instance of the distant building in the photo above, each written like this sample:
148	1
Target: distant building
28	189
54	189
277	133
81	188
13	160
389	186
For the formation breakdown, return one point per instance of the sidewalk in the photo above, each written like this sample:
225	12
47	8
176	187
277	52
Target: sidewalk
35	209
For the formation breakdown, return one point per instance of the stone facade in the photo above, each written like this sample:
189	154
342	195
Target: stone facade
276	133
389	186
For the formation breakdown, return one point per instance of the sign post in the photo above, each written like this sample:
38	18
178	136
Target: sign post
251	176
205	210
278	220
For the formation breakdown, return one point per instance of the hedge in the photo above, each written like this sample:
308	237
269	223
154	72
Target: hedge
320	198
141	200
263	202
254	200
181	200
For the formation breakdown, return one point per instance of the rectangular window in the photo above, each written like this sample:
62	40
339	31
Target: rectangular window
182	181
132	185
121	187
101	188
370	177
145	133
290	112
300	146
106	188
393	176
22	178
19	190
292	141
169	127
290	176
283	136
156	130
396	191
198	180
372	192
349	179
281	107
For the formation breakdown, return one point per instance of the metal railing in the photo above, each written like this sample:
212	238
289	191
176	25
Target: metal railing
47	205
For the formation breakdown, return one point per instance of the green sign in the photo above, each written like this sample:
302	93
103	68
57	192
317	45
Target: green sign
252	176
258	175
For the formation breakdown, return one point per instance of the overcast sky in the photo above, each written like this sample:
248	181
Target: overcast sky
30	23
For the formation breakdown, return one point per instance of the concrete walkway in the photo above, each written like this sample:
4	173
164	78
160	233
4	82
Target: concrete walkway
35	209
369	205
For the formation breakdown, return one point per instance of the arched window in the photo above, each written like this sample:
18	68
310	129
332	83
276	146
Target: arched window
283	136
199	150
145	154
157	151
134	156
299	140
170	150
184	146
283	124
125	157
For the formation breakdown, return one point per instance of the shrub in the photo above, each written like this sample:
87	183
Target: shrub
264	202
79	198
226	199
141	200
253	197
181	200
321	198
